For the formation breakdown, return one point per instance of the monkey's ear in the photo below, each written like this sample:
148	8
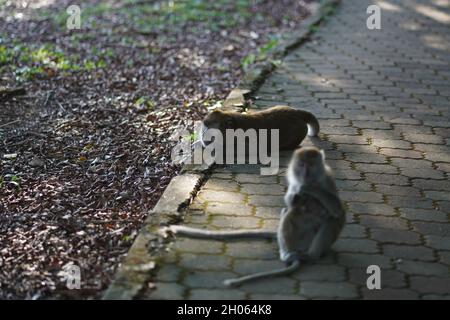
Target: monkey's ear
323	154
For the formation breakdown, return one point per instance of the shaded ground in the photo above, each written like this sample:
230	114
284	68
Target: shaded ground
85	152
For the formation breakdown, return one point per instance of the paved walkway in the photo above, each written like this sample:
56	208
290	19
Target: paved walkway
383	100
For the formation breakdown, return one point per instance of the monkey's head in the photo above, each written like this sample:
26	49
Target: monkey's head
217	119
307	165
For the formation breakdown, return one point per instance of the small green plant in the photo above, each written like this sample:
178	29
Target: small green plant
145	102
194	137
89	65
264	50
329	10
126	238
314	28
262	54
14	180
27	62
6	55
27	73
248	61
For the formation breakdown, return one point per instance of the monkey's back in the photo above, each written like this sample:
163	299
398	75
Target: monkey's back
291	123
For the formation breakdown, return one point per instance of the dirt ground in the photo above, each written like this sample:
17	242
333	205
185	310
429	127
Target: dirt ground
84	143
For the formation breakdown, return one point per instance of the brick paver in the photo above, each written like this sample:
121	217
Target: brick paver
383	100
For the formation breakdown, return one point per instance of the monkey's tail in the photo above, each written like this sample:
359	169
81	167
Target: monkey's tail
273	273
221	235
313	124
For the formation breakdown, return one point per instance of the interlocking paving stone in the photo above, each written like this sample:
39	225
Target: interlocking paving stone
409	202
319	289
438	242
431	184
246	266
199	246
207	279
255	189
321	273
356	245
366	158
397	190
390	294
430	284
207	294
382	99
283	285
227	208
252	249
361	196
371	208
376	168
394	236
204	262
221	196
424	215
408	252
431	228
234	222
354	231
383	222
364	260
353	185
167	291
423	268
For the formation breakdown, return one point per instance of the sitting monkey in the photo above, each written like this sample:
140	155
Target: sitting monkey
293	124
310	224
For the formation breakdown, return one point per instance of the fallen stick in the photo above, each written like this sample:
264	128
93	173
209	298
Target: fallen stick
8	123
8	93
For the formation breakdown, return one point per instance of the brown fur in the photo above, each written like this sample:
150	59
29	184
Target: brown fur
291	123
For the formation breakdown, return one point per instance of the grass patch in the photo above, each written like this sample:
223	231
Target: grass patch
261	55
161	15
27	62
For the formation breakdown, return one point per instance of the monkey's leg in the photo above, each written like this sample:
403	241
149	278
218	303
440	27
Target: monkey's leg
273	273
324	238
221	235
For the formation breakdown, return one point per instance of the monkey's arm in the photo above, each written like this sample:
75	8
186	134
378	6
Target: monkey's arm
330	201
291	196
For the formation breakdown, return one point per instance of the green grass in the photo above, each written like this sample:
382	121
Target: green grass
261	54
162	15
145	102
28	61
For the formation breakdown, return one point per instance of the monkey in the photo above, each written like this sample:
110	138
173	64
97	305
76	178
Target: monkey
293	124
309	225
307	169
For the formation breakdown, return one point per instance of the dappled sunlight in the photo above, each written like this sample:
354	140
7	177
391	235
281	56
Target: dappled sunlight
432	13
40	3
326	82
23	10
441	3
385	5
436	42
411	26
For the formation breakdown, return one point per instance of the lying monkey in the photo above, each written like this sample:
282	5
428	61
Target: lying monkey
292	124
309	225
